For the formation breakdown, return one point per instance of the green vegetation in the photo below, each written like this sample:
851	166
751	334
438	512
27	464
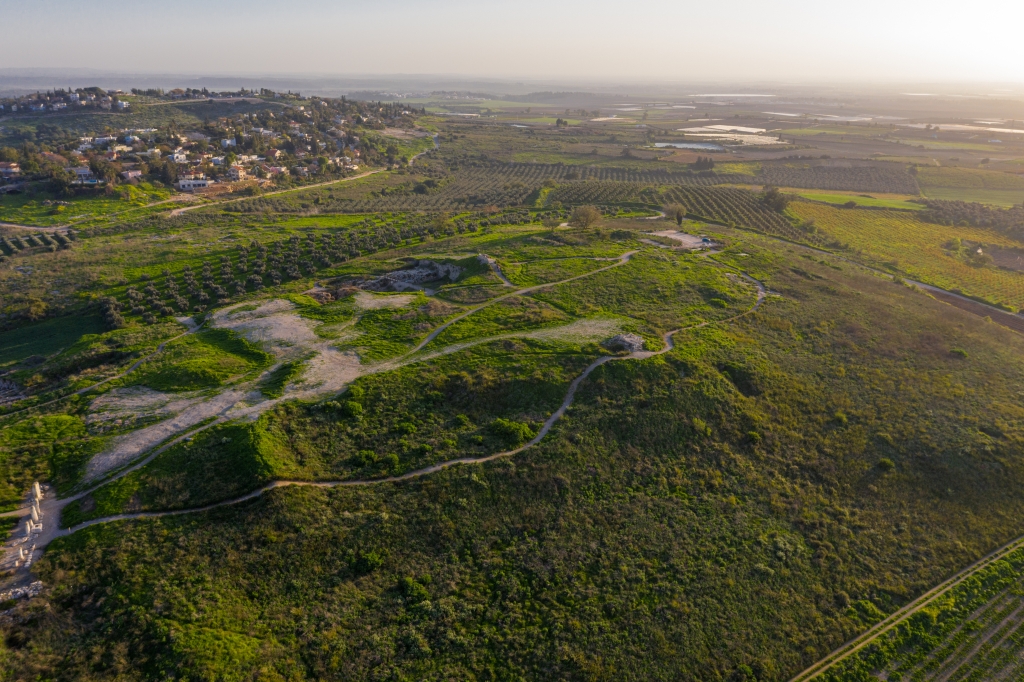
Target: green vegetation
273	385
220	463
47	337
655	454
509	315
900	242
662	291
385	424
861	200
46	208
553	270
971	632
778	480
971	184
53	447
198	361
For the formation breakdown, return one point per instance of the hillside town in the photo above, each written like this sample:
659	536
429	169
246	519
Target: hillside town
280	139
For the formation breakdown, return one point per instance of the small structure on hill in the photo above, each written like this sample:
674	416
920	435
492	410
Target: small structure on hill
630	343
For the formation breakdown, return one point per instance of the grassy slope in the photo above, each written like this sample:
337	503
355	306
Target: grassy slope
198	361
970	184
405	419
47	337
860	200
29	209
720	507
899	241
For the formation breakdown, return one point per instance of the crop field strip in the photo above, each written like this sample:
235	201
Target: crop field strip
500	185
885	178
990	589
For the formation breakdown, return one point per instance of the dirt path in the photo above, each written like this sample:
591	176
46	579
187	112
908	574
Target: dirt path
436	146
622	260
229	409
127	447
179	211
245	401
669	344
496	269
885	625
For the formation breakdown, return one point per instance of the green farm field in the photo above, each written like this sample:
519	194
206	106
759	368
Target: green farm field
965	184
898	242
31	209
896	201
47	337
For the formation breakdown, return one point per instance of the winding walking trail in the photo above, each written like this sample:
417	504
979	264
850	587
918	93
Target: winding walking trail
52	506
621	260
570	395
493	265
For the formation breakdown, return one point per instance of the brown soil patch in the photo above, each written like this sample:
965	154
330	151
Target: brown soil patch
368	301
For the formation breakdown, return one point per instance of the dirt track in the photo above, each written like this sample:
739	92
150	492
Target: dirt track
545	428
179	211
52	506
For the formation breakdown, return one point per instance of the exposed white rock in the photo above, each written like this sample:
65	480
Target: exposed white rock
627	342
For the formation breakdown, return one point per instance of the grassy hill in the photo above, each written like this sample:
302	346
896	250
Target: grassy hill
731	510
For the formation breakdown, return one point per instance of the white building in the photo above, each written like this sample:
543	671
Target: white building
190	184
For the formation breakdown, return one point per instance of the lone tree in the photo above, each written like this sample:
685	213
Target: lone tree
675	212
584	216
774	199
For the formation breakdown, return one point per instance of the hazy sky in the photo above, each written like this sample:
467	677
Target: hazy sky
608	40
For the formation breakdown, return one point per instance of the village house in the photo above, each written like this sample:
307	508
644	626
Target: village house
192	181
237	173
131	174
84	176
9	169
